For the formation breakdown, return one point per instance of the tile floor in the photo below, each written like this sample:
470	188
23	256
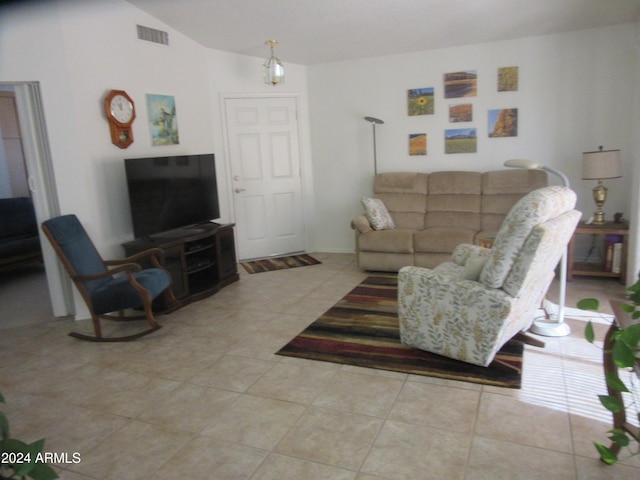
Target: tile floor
206	398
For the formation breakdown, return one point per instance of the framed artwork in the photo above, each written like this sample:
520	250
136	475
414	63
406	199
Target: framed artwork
461	113
461	84
460	140
420	101
163	122
417	144
503	123
507	79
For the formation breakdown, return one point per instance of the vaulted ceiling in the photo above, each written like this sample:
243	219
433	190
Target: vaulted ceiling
312	32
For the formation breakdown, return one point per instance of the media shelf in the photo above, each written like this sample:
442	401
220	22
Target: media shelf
201	259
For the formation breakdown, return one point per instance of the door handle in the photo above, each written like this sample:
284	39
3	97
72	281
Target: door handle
238	190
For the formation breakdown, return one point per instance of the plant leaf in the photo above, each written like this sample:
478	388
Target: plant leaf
606	455
610	403
623	356
631	335
589	334
4	426
627	308
614	383
588	304
619	437
42	471
1	398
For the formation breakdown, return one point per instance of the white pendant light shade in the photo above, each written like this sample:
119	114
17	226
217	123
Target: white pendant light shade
273	68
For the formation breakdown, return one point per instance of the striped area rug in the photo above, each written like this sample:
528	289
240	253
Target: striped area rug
362	329
279	263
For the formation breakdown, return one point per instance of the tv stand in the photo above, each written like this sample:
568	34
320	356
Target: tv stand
200	259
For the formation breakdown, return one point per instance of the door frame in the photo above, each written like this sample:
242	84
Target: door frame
41	181
306	178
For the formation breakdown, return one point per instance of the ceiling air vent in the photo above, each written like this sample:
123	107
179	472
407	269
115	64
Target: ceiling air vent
153	35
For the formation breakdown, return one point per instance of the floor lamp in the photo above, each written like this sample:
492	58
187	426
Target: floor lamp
549	328
374	121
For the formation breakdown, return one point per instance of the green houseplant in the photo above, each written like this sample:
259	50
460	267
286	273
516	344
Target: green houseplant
19	460
625	353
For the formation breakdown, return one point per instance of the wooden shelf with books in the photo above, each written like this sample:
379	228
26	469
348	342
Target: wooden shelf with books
614	255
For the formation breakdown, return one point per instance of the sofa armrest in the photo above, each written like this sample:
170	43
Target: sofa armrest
361	224
464	251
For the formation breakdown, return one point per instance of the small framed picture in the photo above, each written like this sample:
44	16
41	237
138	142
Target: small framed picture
507	79
460	140
461	84
163	122
417	144
461	113
420	101
503	123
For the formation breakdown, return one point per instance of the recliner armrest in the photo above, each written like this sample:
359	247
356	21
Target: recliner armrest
361	224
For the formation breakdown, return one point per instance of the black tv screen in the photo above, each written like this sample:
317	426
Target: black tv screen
166	193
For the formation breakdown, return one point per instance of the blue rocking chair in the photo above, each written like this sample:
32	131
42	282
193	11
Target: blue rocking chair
109	286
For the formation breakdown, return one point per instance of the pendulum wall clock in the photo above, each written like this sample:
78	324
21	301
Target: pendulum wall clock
121	112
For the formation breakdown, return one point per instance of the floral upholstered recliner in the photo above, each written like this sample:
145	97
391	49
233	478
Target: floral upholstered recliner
470	307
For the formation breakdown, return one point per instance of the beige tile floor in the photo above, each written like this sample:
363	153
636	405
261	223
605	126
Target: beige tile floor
206	398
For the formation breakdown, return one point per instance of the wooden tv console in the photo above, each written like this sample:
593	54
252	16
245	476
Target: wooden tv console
201	259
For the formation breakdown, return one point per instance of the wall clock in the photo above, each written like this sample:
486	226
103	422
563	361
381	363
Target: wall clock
121	112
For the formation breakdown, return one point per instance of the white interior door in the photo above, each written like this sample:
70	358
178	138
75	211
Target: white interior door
264	158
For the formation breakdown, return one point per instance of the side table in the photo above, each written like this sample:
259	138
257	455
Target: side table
598	270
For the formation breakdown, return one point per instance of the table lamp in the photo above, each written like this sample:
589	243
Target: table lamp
600	165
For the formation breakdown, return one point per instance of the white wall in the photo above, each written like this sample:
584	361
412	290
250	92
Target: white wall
78	51
574	95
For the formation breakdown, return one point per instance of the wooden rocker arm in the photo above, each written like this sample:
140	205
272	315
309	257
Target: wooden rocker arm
127	267
156	255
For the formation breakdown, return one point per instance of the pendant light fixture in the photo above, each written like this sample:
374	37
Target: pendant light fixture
273	68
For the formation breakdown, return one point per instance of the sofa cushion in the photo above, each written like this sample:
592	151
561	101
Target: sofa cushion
377	213
441	239
501	190
398	240
405	196
17	217
401	182
454	200
19	245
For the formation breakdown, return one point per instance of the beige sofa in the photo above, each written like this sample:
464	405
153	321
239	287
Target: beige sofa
435	212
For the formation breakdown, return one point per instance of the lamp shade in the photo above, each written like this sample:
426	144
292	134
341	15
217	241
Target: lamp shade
601	164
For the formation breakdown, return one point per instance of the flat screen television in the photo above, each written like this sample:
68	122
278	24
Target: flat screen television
166	193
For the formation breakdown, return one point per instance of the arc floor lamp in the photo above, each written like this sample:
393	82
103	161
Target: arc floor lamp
549	328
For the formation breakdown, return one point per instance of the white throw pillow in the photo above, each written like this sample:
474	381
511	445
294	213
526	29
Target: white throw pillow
377	214
473	267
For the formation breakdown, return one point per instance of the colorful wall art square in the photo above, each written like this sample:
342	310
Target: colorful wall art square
461	113
503	123
460	140
162	119
417	144
461	84
420	101
507	79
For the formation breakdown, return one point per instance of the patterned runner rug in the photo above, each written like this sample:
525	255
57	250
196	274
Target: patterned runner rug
279	263
362	329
